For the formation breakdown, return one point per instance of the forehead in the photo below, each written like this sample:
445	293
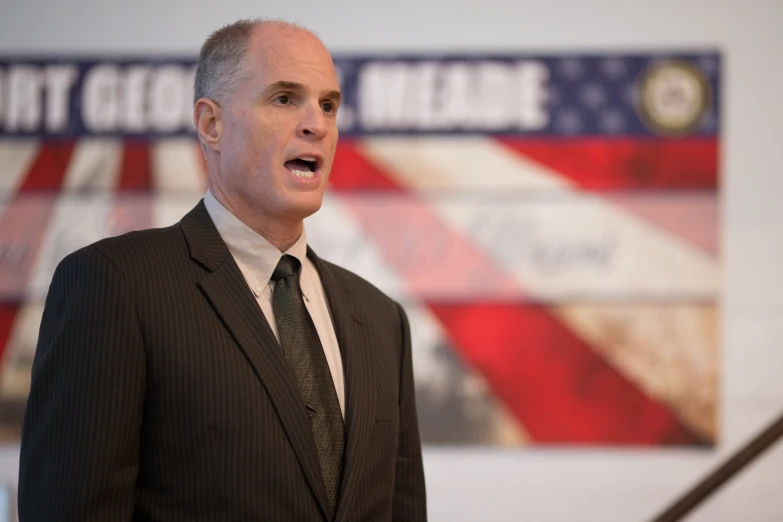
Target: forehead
291	54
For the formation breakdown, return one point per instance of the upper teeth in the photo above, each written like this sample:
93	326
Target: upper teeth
307	158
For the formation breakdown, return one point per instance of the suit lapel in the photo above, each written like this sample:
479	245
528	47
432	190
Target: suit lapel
355	337
228	292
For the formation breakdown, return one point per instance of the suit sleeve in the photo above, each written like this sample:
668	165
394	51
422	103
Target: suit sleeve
410	499
80	437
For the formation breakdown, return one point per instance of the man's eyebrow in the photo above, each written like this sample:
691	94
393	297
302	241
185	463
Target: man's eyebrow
335	96
282	84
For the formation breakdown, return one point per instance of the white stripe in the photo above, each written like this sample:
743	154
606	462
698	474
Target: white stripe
82	213
670	351
170	208
580	246
334	234
176	166
559	244
16	157
76	221
95	165
459	163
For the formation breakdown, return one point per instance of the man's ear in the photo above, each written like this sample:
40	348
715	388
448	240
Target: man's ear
209	123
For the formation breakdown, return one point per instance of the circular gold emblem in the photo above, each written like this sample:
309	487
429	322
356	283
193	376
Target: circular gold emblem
673	97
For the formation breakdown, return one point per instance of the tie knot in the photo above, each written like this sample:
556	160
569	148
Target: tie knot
287	266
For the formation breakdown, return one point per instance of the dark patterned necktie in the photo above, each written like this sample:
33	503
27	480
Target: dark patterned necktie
305	356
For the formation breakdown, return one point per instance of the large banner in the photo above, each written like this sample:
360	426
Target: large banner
549	222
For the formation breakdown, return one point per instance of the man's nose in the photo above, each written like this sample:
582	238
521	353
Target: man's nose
314	123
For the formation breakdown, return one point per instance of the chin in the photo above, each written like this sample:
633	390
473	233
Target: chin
302	209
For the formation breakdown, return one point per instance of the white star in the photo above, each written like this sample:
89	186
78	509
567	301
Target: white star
611	121
629	94
593	95
569	121
614	67
554	96
571	68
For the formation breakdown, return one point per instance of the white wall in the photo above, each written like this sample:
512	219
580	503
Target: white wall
546	485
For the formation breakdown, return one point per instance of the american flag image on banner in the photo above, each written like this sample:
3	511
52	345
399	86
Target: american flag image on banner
557	252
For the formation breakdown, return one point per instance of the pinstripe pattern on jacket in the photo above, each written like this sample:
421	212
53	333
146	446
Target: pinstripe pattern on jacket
160	393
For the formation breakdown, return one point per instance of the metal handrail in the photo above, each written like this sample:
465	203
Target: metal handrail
712	482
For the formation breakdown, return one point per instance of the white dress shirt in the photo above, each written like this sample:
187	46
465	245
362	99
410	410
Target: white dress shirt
257	259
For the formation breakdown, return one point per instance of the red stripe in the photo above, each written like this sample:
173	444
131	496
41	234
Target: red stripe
559	388
351	171
136	173
48	170
26	219
552	381
690	216
603	164
7	317
434	260
131	212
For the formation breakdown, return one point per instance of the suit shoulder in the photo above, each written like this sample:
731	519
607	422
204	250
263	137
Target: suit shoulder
134	249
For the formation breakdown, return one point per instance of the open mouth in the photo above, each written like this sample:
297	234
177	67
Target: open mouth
303	166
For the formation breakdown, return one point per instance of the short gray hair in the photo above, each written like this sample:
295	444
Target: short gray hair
222	61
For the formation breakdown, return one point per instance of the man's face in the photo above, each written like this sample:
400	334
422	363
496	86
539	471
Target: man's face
279	128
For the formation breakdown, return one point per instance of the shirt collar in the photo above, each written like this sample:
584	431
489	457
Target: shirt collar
252	251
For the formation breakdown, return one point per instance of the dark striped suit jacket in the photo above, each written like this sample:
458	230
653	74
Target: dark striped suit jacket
159	393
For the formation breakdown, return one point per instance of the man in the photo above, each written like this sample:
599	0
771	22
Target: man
218	369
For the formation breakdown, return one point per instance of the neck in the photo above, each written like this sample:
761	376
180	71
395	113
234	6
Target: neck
279	232
282	235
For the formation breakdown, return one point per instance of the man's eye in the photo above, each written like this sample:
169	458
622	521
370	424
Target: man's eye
283	99
327	106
